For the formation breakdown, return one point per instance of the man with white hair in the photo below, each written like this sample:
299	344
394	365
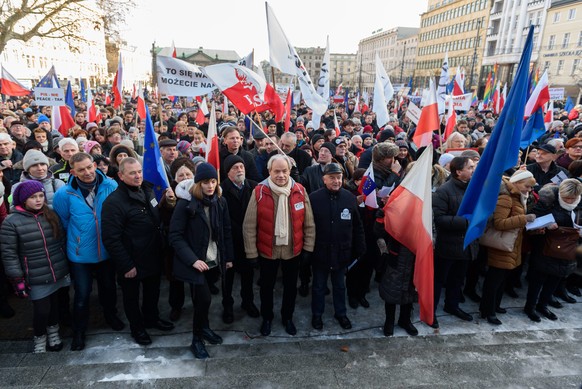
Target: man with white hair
67	148
9	156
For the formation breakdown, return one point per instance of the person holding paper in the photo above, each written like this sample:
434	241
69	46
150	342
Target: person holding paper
547	270
509	214
544	169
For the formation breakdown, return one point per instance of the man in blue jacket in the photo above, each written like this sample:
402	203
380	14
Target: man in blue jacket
78	205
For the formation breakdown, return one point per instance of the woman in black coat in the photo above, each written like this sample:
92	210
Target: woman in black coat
200	234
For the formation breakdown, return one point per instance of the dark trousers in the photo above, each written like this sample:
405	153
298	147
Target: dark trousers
493	288
475	268
246	272
83	275
268	271
176	294
45	313
449	273
359	276
201	303
540	289
320	276
149	308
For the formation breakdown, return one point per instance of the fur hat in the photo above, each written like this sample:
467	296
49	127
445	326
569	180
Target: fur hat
384	150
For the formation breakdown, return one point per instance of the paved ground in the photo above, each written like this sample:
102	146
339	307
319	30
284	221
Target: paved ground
517	354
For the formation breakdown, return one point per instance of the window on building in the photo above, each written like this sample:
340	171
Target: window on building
580	39
572	14
551	42
538	18
547	66
566	40
560	67
575	65
556	17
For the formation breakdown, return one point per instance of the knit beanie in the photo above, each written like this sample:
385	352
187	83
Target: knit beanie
24	190
232	160
520	175
33	157
88	146
205	171
330	147
42	119
315	138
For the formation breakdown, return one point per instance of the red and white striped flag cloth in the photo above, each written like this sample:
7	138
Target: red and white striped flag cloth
429	119
10	86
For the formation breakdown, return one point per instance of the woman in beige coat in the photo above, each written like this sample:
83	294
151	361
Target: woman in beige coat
509	214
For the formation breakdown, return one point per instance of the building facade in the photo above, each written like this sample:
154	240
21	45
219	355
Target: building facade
561	48
396	48
456	27
507	30
343	70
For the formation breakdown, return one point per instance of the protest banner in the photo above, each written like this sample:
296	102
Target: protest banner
181	78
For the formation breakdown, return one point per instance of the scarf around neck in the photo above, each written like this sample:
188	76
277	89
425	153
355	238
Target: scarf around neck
282	219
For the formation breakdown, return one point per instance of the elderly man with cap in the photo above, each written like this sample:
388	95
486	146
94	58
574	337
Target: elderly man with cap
278	227
545	167
169	153
36	166
67	148
237	190
573	153
339	238
385	175
9	157
344	157
18	133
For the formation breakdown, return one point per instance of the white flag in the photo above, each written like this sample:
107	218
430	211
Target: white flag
443	82
284	57
380	100
323	83
386	84
247	61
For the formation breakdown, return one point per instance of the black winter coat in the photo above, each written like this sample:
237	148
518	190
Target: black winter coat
548	203
30	250
397	285
190	234
12	174
312	178
339	233
301	158
238	201
543	178
450	228
131	230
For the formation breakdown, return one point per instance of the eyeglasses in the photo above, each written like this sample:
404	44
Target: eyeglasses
576	147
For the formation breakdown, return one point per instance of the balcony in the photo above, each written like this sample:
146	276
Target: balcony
535	4
493	35
495	15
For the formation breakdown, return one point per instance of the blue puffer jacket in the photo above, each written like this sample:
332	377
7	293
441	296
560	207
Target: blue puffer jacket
83	224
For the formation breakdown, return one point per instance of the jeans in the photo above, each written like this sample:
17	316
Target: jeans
83	274
338	284
139	318
290	270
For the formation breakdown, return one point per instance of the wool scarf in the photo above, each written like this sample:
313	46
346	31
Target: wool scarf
282	220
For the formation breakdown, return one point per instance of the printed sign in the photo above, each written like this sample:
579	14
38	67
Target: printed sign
49	96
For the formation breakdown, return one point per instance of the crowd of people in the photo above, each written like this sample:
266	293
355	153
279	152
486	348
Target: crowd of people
75	210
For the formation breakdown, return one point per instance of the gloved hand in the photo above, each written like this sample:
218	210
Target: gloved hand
530	217
20	287
390	259
306	258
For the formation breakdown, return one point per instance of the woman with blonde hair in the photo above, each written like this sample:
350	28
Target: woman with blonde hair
455	141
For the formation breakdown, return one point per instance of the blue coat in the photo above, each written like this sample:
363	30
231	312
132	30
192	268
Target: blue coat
83	224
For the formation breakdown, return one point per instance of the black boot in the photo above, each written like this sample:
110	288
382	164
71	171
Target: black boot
197	348
404	320
389	323
78	342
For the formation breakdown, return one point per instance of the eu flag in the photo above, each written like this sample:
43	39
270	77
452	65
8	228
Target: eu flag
153	166
69	101
569	105
50	80
500	154
533	130
83	92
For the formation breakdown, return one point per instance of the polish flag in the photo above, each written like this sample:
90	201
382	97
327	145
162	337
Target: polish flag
225	105
62	120
118	85
539	96
451	117
202	110
549	117
212	151
288	110
429	119
458	83
357	105
408	219
141	108
336	124
502	98
245	89
174	52
339	90
10	86
107	98
368	188
496	98
94	116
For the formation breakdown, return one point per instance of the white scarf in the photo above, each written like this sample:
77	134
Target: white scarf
282	220
566	206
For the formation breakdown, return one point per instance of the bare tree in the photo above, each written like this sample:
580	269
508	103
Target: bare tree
58	19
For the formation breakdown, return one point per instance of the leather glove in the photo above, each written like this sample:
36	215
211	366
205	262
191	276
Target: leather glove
20	287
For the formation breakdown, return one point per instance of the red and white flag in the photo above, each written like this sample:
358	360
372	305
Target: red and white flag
539	96
62	120
225	105
458	88
288	110
411	202
245	89
368	188
94	115
202	110
212	151
174	52
503	97
497	99
549	116
451	117
357	105
107	98
339	91
141	108
429	119
10	86
118	85
336	124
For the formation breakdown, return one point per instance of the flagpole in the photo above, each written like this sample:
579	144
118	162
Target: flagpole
267	135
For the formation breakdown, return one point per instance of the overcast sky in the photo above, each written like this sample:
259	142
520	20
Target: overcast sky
240	25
